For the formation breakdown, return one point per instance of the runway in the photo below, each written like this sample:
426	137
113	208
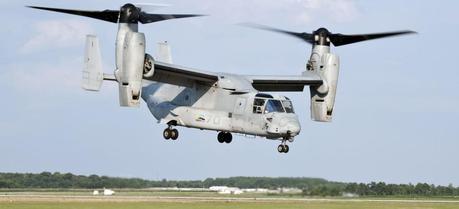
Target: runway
80	198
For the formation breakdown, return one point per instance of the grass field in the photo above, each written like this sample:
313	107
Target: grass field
223	205
145	199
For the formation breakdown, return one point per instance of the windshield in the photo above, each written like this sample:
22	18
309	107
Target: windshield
288	106
274	106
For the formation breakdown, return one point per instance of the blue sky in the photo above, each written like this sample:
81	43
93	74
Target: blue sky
396	116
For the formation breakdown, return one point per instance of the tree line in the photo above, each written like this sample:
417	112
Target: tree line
68	180
309	186
383	189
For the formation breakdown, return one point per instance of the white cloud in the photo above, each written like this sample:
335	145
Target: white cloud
337	10
48	76
57	34
296	11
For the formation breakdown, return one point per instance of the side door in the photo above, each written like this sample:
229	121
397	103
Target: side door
239	119
257	120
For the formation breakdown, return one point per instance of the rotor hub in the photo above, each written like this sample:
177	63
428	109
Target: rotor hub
321	37
129	13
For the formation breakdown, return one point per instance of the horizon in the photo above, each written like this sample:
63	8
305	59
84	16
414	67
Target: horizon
214	178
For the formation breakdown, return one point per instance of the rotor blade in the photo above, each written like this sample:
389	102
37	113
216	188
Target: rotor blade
340	39
146	18
106	15
149	7
303	36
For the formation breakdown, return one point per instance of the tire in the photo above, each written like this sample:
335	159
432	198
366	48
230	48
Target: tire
280	148
221	137
174	134
228	138
167	134
286	148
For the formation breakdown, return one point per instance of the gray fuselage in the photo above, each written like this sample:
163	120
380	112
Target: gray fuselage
223	108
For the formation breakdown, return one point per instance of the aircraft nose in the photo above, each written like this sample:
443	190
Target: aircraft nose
293	127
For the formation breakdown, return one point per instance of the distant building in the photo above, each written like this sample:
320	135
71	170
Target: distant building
350	195
257	190
108	192
217	188
289	190
226	190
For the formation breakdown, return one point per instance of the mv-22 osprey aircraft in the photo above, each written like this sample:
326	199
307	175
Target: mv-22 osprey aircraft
223	102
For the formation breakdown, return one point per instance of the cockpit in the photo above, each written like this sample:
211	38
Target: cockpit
265	103
278	114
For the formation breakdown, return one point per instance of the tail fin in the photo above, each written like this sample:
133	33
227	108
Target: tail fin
164	53
93	74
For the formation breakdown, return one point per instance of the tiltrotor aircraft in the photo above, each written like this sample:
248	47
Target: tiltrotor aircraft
223	102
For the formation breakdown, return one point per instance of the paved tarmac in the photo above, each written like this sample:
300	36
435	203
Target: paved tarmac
63	198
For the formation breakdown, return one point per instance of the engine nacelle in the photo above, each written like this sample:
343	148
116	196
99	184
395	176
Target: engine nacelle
149	66
131	73
323	97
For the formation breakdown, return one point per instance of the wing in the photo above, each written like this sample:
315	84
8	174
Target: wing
184	76
284	83
181	76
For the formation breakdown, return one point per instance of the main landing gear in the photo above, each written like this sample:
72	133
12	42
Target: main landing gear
170	133
283	148
225	137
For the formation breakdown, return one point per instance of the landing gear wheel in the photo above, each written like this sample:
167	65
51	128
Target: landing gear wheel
225	137
221	137
228	138
174	134
167	134
283	148
280	148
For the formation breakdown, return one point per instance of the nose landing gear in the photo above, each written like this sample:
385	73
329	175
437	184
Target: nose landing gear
225	137
283	147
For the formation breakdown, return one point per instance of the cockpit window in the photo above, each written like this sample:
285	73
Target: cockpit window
288	106
274	106
258	105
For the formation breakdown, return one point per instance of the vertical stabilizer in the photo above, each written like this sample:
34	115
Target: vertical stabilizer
164	53
92	73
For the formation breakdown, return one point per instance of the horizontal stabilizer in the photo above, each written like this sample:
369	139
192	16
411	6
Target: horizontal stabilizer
92	73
